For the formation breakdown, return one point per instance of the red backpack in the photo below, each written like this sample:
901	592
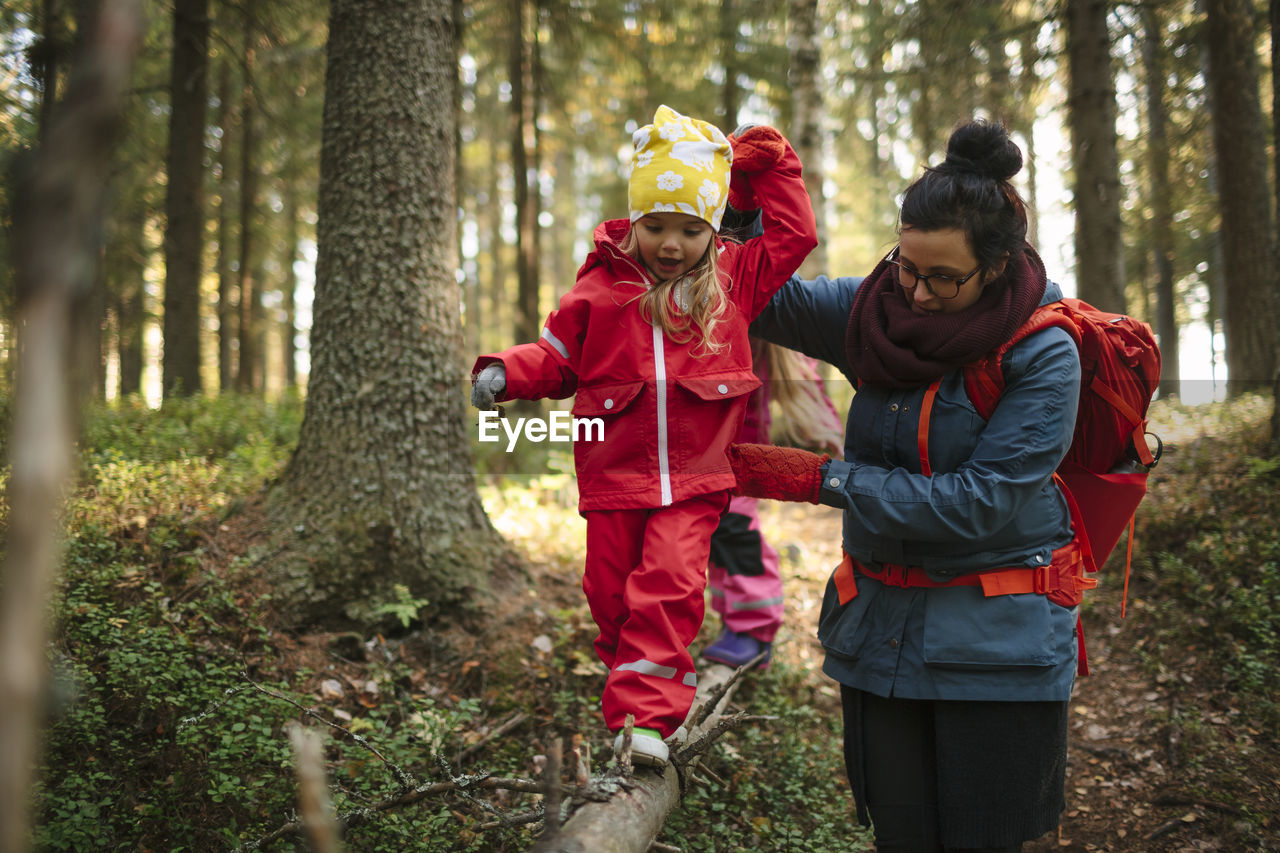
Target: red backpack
1104	474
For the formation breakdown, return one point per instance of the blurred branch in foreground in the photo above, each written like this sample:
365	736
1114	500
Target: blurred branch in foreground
56	233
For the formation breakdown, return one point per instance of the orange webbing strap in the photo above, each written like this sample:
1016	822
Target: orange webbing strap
922	431
1061	575
1131	415
846	584
1128	559
995	582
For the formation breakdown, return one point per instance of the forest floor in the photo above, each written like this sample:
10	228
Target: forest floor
1161	758
1174	736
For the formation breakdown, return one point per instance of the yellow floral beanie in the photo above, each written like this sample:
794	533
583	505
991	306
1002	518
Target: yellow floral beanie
681	164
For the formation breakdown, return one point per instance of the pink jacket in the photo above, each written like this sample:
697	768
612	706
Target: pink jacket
668	413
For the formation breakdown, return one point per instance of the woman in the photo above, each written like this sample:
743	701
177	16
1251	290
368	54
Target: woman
954	681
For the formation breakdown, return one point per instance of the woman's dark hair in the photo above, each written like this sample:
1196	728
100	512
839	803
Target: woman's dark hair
970	191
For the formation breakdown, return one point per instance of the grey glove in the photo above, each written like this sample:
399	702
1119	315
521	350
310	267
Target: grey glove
489	383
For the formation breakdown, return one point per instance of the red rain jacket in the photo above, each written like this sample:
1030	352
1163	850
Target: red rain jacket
668	413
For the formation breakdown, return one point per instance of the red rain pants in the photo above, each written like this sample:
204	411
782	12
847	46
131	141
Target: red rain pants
645	578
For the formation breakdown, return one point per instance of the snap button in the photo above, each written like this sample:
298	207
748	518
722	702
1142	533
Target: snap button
1039	558
608	404
833	482
893	407
893	644
723	389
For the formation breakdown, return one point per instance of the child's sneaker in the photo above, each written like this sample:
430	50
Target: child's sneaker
647	748
734	649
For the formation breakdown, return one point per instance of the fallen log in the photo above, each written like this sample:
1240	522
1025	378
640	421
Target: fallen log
628	821
623	812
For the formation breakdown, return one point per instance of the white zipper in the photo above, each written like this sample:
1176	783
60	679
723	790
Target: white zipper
660	373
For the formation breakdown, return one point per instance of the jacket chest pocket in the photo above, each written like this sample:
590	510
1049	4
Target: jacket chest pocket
616	445
705	414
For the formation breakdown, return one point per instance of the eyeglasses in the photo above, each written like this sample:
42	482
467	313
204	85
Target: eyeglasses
939	284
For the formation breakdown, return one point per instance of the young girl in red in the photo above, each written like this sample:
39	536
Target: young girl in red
652	340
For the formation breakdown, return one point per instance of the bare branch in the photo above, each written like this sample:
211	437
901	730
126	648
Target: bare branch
313	795
405	780
359	817
512	722
551	798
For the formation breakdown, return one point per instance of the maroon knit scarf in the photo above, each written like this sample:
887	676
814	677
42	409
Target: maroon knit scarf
889	345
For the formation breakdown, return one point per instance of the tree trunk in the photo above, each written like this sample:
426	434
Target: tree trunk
57	227
88	352
1027	85
528	319
289	288
1091	108
249	376
227	312
184	205
1275	127
130	272
497	279
730	97
1239	139
381	491
807	107
531	241
45	61
1161	206
471	280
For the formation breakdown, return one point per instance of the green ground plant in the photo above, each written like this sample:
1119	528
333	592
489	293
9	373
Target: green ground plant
157	740
1214	562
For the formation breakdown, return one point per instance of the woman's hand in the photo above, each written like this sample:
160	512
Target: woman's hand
780	473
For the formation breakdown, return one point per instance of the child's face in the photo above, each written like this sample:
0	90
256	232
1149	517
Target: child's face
671	243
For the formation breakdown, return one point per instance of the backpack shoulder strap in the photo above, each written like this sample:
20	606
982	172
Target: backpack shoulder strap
984	378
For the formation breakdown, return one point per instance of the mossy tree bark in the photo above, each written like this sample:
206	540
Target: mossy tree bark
380	490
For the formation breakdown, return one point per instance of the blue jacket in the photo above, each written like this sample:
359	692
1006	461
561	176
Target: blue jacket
989	503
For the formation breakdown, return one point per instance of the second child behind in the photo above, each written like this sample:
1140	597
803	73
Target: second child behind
652	339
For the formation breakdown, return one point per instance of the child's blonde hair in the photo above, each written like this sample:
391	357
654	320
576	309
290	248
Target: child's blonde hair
808	419
696	310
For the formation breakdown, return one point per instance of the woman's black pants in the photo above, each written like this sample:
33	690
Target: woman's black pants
891	754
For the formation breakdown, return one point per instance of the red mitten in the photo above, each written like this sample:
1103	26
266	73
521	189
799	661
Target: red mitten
758	149
781	473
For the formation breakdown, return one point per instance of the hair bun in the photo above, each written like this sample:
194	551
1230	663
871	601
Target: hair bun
984	149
